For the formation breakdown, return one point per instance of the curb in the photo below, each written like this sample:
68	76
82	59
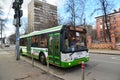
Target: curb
104	53
37	65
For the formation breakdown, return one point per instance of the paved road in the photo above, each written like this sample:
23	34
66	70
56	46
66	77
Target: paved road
105	67
100	67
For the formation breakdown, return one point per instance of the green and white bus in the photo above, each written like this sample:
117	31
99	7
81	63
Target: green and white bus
63	46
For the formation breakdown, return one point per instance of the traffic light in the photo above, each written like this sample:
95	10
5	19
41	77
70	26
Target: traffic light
18	12
20	2
15	5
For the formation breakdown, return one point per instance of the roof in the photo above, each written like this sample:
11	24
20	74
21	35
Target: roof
53	29
108	14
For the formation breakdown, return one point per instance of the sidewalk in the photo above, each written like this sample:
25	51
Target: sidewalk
104	51
10	69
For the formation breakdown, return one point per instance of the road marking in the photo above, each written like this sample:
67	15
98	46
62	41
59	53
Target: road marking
115	58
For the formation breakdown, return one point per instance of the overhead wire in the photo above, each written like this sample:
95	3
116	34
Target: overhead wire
9	10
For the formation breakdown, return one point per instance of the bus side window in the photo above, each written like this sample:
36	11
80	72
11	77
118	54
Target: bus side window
43	41
34	41
22	41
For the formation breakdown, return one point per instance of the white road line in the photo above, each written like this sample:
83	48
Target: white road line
115	58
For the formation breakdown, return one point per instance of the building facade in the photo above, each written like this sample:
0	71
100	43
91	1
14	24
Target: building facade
41	15
113	21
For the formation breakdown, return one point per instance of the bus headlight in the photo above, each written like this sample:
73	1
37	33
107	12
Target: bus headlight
69	64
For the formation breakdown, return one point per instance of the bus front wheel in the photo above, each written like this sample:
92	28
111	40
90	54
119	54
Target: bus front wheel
42	58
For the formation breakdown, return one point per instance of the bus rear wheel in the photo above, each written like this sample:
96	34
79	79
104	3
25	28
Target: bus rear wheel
42	58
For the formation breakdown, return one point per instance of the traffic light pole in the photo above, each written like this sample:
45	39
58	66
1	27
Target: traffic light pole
18	14
17	41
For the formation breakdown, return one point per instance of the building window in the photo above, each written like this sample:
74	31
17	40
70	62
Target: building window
101	26
114	27
23	42
38	5
101	33
100	20
114	20
108	18
97	20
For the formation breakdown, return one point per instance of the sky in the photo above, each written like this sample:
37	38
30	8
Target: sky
10	28
9	13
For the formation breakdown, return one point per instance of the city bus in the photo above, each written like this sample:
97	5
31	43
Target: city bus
63	46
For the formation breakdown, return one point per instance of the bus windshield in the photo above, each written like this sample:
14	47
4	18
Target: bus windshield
75	41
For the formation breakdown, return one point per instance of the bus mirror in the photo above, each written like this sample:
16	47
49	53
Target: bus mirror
66	35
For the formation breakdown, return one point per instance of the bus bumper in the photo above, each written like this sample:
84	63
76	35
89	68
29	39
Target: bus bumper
74	63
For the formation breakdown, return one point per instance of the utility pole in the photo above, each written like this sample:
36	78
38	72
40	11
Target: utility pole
85	26
18	14
84	23
1	22
1	33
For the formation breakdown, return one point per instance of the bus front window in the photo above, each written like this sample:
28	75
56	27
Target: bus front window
75	41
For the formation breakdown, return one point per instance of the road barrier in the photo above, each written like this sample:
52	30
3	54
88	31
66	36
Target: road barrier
32	59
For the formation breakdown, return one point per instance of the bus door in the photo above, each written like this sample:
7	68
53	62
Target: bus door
54	48
28	46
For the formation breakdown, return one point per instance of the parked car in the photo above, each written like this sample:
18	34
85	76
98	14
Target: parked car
7	45
7	42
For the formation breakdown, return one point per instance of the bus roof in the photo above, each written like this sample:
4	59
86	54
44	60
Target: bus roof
53	29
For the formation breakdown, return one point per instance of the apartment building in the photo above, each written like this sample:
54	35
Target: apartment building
113	23
41	15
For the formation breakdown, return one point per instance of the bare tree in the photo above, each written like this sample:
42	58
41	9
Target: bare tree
105	6
60	19
75	10
12	38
